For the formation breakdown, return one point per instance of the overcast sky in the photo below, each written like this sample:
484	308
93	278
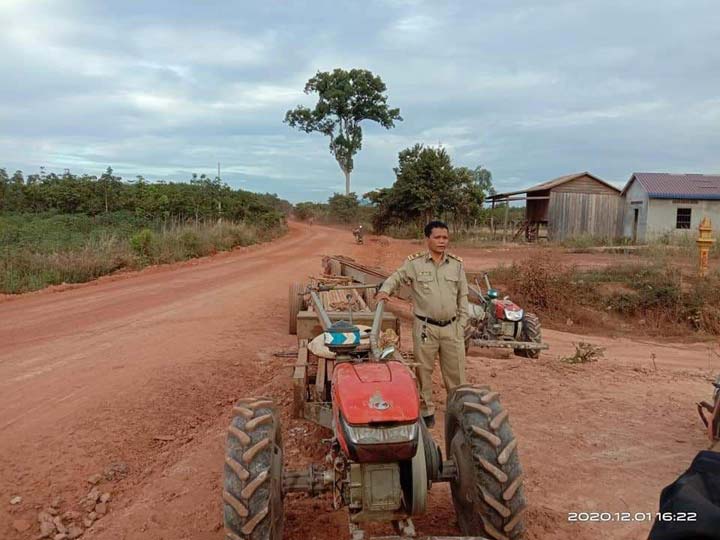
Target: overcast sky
531	90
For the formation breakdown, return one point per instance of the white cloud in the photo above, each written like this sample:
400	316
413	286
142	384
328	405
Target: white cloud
589	116
415	24
531	92
206	46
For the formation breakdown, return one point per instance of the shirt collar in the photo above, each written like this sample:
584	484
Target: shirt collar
444	260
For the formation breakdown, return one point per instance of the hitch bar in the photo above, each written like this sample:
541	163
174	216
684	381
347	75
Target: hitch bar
499	344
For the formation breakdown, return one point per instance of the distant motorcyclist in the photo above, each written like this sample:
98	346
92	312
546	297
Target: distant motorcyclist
359	232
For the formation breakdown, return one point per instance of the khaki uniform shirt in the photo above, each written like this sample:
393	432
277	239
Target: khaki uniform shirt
439	291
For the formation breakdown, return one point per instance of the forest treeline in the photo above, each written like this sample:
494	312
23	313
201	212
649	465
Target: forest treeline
200	198
72	228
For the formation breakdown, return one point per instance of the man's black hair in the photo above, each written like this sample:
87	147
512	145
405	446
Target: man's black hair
435	225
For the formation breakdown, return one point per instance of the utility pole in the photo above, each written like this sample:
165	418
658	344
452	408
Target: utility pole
219	204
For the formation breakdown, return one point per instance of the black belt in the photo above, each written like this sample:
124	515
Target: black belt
434	322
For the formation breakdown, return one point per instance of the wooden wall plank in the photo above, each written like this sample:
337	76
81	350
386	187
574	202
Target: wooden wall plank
573	214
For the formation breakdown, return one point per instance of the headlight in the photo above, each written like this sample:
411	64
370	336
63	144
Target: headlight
382	435
514	315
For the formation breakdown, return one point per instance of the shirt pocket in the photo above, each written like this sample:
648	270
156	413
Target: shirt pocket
424	281
452	283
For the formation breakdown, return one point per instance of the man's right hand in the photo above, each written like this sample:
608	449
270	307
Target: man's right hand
382	296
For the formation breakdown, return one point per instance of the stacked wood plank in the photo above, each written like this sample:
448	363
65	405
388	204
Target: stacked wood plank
337	300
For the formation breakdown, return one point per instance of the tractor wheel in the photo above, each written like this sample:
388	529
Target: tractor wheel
252	486
414	479
532	333
296	304
487	492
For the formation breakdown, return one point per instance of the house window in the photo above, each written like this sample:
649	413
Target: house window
683	218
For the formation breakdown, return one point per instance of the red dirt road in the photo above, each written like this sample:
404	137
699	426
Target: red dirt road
142	369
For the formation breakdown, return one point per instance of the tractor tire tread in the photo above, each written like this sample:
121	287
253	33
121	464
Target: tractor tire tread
250	487
499	499
532	333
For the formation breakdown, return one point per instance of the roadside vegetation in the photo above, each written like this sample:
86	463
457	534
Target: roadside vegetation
427	186
71	229
652	294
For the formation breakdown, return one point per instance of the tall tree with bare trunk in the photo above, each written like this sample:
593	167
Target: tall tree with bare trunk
345	98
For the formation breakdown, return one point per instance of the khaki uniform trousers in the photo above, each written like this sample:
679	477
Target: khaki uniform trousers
449	341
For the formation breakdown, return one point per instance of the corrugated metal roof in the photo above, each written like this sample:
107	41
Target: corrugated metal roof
678	186
553	183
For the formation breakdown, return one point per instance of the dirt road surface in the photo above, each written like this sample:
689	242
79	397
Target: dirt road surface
133	377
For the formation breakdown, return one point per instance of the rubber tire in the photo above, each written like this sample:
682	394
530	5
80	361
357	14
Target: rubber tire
296	304
531	332
414	480
487	493
433	455
252	483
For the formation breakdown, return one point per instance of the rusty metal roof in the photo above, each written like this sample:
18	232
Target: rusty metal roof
553	183
678	186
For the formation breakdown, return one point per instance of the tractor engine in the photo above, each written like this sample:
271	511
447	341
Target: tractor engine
376	421
376	411
503	320
508	319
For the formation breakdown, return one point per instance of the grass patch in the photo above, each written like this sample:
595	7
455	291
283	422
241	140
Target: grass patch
584	243
656	295
41	250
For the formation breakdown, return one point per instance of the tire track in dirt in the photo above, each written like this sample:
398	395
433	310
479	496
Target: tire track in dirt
89	376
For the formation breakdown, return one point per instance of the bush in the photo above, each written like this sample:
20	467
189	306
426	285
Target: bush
142	243
407	232
657	294
191	245
584	353
541	284
343	208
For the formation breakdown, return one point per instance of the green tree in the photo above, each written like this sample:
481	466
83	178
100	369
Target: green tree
483	178
468	196
428	186
110	186
426	180
345	98
306	210
15	193
343	208
4	183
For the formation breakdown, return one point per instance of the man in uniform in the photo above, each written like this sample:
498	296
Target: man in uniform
439	291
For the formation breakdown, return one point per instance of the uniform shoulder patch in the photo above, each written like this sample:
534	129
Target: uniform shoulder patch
453	256
415	255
